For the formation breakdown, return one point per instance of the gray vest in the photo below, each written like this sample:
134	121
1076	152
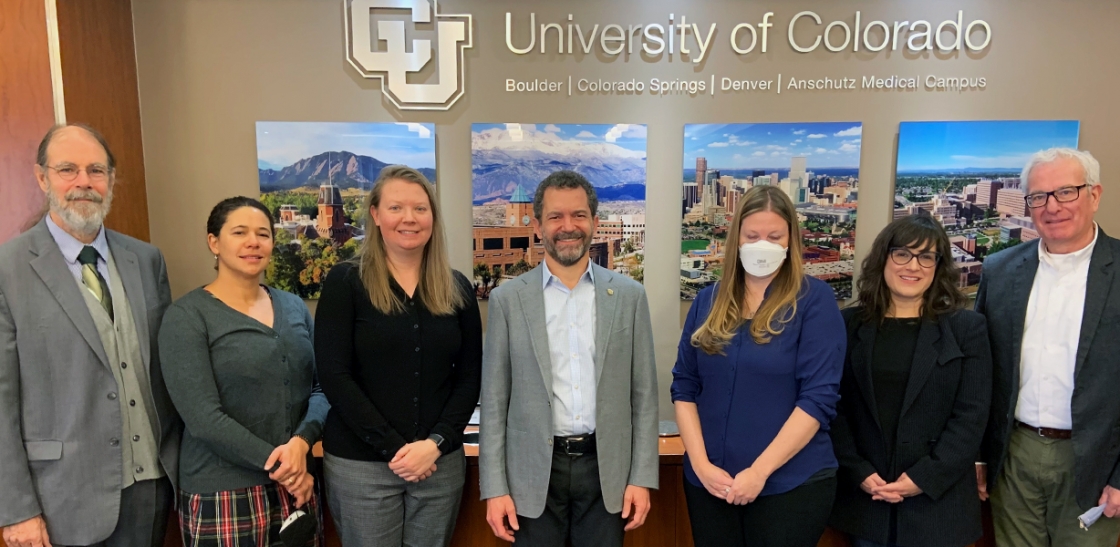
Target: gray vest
138	436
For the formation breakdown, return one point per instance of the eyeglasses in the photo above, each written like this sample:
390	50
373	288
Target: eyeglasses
69	172
1065	194
902	256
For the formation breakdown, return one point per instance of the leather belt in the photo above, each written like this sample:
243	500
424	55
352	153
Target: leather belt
1049	433
574	445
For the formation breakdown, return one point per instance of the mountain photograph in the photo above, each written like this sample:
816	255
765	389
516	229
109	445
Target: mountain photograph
317	228
503	158
508	163
341	168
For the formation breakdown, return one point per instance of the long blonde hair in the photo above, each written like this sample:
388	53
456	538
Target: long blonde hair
726	314
437	288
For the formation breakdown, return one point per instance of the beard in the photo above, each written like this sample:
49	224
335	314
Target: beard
81	216
569	256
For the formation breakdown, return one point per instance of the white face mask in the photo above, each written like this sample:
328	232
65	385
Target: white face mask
762	258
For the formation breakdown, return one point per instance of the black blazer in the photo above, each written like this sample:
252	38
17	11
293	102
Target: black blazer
1005	288
940	428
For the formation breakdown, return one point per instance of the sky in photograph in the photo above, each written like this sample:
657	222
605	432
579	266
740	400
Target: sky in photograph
771	145
924	146
628	136
280	144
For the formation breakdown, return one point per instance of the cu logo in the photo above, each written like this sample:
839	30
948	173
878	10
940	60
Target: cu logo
395	57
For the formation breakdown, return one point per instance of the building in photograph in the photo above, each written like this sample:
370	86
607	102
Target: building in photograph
1011	202
331	224
986	193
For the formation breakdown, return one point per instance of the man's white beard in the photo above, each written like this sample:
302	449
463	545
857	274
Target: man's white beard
84	218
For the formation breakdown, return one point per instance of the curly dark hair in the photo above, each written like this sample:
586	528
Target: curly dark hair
564	180
915	231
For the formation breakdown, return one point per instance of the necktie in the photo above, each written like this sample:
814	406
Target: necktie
93	280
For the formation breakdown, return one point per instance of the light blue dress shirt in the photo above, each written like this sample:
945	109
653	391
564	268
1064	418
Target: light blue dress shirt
570	320
70	247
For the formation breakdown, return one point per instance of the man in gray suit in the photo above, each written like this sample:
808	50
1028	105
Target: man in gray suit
1052	448
569	393
89	440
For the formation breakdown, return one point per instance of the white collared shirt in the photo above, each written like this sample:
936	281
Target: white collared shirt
1050	338
570	321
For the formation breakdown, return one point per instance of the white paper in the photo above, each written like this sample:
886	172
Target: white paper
1089	517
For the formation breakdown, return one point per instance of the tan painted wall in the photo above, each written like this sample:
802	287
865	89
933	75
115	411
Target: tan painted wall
209	69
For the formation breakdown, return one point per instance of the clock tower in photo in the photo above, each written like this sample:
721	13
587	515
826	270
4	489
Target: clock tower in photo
519	210
330	223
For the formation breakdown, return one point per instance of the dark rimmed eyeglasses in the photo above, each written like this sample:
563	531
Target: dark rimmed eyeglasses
902	256
1064	194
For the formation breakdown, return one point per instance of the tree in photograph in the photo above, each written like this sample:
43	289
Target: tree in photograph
1003	245
285	265
482	274
627	247
321	255
518	268
306	202
639	274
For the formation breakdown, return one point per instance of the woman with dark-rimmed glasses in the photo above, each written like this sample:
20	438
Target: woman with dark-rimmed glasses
914	397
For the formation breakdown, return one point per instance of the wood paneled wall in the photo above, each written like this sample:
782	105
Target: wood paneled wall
99	81
26	109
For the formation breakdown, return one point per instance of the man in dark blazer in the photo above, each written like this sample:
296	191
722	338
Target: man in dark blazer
1052	447
89	439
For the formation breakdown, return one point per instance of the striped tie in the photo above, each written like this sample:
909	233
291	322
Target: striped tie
93	280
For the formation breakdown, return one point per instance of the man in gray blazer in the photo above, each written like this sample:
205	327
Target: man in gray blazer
1052	448
568	438
89	440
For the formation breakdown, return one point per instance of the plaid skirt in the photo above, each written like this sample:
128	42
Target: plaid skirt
247	517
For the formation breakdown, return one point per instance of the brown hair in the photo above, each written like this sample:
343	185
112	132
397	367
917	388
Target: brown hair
919	232
726	314
437	288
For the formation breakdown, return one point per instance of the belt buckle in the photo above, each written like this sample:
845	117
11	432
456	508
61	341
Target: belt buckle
568	445
1039	431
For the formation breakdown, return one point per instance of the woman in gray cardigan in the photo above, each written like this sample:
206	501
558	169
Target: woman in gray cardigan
239	364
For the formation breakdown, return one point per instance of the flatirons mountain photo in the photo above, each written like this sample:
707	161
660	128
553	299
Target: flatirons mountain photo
340	168
314	178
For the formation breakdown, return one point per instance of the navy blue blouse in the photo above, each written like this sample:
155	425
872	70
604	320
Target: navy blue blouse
746	396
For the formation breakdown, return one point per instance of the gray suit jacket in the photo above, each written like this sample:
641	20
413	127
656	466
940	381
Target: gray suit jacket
1005	290
515	443
56	420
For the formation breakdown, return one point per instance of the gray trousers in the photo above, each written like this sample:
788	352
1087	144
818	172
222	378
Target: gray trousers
143	515
373	507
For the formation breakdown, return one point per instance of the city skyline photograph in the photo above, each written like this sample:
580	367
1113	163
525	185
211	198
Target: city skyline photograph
815	163
966	175
314	176
508	162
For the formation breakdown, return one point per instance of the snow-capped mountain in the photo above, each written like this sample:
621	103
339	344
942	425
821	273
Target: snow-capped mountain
499	163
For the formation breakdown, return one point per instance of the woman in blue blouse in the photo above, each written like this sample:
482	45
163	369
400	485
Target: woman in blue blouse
755	386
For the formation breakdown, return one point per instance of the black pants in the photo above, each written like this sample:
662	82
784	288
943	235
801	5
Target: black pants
574	509
794	519
143	515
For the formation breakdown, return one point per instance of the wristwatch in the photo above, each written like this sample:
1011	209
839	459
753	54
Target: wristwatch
438	439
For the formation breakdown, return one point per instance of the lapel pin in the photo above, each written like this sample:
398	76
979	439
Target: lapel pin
610	291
